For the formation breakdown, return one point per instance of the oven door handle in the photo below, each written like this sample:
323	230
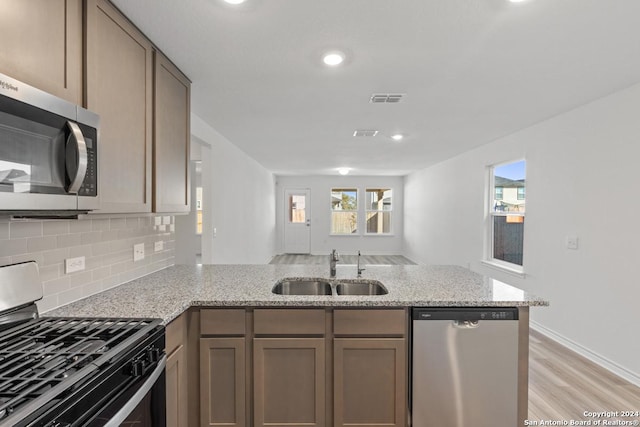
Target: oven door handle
124	412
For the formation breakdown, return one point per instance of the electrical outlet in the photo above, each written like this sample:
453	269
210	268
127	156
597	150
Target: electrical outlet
158	246
71	265
138	252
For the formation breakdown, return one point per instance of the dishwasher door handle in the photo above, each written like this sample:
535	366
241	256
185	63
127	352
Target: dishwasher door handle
466	324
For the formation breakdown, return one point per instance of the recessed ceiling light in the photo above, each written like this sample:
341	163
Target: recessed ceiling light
343	171
517	1
333	58
234	1
397	136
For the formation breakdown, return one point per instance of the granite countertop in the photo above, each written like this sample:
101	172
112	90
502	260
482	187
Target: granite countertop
169	292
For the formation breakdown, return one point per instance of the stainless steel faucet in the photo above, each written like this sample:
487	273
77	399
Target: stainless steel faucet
333	258
360	270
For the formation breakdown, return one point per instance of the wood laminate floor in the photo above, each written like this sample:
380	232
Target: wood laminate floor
344	259
562	384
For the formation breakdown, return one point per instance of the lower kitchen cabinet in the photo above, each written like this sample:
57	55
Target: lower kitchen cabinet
222	381
370	367
289	381
176	372
370	381
176	377
281	367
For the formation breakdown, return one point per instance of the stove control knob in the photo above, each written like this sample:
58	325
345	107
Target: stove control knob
138	368
153	354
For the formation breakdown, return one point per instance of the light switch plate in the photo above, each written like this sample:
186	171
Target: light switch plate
158	246
138	252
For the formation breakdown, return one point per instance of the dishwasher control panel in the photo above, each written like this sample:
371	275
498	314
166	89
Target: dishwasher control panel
465	314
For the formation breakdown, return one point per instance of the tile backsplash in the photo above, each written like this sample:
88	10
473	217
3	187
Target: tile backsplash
105	242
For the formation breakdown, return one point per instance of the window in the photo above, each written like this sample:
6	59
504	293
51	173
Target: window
297	209
344	210
378	210
507	211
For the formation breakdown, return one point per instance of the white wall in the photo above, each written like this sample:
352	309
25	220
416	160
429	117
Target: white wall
582	181
238	201
321	241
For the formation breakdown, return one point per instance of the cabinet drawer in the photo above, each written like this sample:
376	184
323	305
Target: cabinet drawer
222	321
358	322
288	321
176	334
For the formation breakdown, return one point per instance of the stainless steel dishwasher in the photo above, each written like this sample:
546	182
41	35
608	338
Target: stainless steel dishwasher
465	367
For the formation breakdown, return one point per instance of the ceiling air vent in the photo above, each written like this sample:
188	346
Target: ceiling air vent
362	132
387	98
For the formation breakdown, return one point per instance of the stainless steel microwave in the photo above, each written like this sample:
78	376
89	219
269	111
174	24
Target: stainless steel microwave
48	153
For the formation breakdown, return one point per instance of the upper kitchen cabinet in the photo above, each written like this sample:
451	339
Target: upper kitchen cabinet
171	137
42	45
119	83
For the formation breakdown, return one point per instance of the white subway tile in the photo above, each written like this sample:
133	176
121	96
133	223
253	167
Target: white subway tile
4	231
25	229
55	256
13	247
118	223
100	224
80	226
82	250
68	240
55	286
39	244
49	272
80	278
52	228
70	296
90	237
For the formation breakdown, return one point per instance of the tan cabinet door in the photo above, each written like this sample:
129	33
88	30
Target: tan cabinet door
222	382
289	382
370	386
42	45
119	80
171	138
176	381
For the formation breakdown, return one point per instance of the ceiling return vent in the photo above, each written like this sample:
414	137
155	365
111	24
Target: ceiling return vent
363	132
387	98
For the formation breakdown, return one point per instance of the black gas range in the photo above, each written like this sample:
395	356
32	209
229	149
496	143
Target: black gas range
61	372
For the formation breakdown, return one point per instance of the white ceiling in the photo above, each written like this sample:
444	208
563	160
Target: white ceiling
473	71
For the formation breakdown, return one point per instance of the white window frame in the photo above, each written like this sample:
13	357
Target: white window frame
367	210
356	211
490	213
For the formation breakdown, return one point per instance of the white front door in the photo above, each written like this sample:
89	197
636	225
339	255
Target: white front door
297	223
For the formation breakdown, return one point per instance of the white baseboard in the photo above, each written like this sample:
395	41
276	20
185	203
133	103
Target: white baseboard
609	365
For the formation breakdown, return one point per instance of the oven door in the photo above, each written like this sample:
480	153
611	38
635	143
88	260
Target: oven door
141	406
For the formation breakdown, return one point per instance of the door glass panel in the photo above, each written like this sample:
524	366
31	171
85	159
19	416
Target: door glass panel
297	208
31	156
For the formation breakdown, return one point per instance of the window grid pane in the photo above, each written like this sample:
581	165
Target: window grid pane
378	202
344	210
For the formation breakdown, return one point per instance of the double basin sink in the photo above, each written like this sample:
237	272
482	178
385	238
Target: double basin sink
314	286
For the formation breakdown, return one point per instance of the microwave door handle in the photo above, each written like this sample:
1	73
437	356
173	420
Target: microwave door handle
76	158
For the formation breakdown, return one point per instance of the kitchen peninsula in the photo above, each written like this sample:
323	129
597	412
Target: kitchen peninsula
256	358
